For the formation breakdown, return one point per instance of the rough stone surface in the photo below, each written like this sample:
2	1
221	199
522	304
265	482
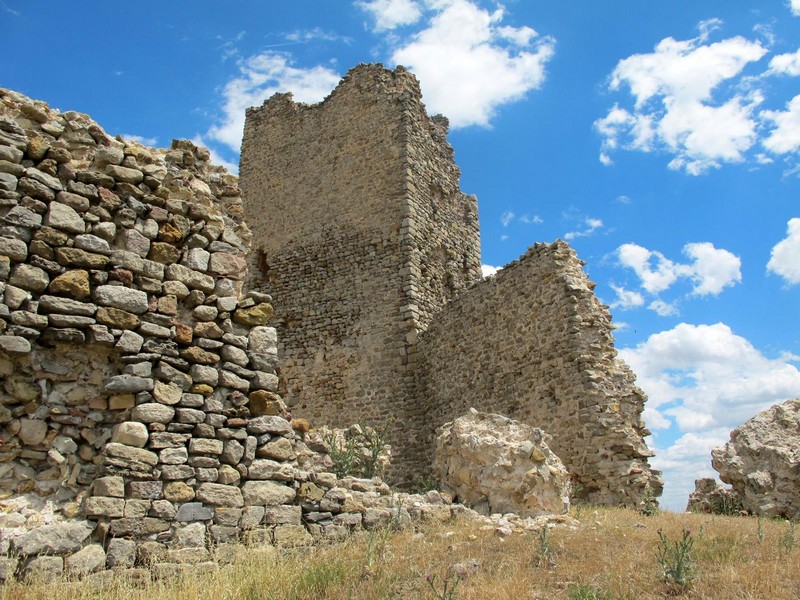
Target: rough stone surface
496	465
762	461
709	496
532	343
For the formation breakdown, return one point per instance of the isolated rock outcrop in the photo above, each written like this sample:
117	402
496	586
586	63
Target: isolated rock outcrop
762	461
709	496
497	465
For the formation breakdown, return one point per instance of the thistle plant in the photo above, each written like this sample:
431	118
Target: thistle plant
676	560
448	591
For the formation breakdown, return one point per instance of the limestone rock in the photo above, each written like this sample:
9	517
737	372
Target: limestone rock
73	284
762	461
498	465
709	496
59	538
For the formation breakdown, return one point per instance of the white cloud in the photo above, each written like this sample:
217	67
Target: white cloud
390	14
687	459
535	219
462	48
795	6
663	309
592	225
785	137
626	298
706	377
674	106
708	380
785	257
302	36
145	141
711	270
489	270
785	64
261	76
507	217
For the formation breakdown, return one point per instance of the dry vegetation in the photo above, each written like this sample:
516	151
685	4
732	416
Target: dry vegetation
611	555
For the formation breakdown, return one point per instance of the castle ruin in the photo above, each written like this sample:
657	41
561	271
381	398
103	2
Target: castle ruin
363	235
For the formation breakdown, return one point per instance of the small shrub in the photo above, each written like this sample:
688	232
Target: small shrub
359	452
788	538
676	560
588	592
649	504
545	554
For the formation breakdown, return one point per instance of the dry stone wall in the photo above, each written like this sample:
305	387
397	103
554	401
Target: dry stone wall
533	343
140	423
362	234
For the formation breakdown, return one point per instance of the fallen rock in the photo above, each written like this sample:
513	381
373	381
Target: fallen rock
762	461
709	496
494	464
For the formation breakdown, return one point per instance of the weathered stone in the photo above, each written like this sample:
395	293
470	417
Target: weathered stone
192	279
28	277
270	469
14	344
266	493
255	315
73	284
164	253
178	492
279	449
128	383
269	424
121	553
32	431
167	393
114	317
54	304
221	495
16	250
195	354
496	465
43	569
125	174
292	536
59	538
194	511
100	506
709	496
130	433
153	412
75	257
205	446
92	243
762	461
129	341
64	217
123	298
109	486
265	403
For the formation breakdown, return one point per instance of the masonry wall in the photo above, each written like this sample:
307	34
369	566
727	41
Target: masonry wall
533	343
139	420
370	237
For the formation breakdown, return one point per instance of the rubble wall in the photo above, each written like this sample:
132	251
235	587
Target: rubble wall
533	343
140	423
361	235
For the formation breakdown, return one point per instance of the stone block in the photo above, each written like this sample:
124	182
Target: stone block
216	494
266	493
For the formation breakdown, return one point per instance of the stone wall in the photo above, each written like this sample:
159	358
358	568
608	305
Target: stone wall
140	422
362	234
533	343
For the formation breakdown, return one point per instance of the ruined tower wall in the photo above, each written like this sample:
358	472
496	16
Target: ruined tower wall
533	343
368	236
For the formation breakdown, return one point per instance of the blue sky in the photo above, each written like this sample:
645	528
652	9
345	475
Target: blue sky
662	139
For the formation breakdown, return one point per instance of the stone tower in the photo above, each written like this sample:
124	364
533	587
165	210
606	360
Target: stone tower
366	237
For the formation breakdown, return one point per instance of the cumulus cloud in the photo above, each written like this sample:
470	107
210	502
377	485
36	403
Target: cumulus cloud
591	226
461	48
489	270
626	298
679	105
390	14
260	76
687	459
535	219
785	137
663	309
711	270
795	6
703	380
705	377
785	257
785	64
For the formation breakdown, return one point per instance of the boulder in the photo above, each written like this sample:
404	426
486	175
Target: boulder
494	464
709	496
762	461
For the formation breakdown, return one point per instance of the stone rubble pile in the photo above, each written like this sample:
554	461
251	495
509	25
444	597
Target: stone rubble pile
709	496
494	464
762	462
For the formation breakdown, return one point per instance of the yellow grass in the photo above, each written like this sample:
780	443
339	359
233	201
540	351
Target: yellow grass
612	555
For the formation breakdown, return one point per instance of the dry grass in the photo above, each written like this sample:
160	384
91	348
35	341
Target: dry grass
611	556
